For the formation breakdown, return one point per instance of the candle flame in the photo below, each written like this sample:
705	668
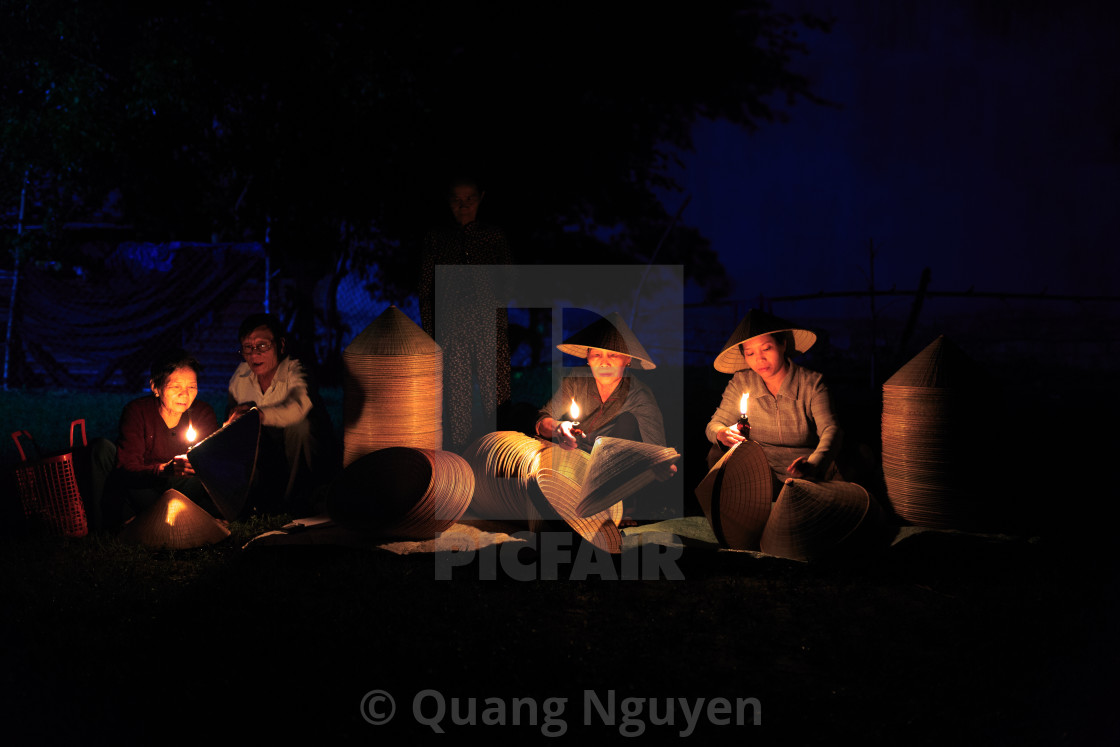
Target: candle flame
191	433
574	410
743	404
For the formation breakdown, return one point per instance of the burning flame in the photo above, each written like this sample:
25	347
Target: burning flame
574	410
174	508
192	434
743	404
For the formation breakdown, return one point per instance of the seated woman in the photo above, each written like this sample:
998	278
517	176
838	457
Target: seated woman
155	433
611	402
788	409
297	453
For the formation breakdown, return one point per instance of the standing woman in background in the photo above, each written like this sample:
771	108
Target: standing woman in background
470	353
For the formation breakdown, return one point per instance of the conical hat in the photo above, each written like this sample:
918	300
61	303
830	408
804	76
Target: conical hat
392	333
619	468
554	495
175	522
941	365
736	495
756	323
226	461
811	519
609	333
402	492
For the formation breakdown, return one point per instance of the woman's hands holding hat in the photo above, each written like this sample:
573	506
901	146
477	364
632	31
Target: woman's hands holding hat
730	436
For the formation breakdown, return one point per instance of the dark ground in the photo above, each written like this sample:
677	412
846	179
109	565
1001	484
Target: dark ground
973	639
1005	636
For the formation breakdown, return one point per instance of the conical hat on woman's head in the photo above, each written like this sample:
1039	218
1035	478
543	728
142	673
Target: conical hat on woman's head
608	333
755	323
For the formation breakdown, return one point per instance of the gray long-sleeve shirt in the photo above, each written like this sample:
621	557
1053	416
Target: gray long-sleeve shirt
797	422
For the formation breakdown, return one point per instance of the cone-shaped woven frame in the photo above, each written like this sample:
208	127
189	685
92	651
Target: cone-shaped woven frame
929	432
175	522
812	519
756	323
609	333
402	492
736	495
555	495
392	389
226	460
503	463
941	365
618	469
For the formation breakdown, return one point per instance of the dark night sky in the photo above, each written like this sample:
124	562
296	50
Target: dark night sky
985	146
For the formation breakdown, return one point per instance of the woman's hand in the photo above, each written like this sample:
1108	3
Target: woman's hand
730	436
565	435
559	431
801	468
180	466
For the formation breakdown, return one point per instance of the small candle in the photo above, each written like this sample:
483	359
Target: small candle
574	412
744	424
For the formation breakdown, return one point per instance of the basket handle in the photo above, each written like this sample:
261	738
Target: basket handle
19	446
82	423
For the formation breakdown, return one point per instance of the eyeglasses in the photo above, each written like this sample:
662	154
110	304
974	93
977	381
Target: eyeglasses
260	347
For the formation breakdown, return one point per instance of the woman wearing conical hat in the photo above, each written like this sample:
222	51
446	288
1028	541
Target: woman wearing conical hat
610	401
788	407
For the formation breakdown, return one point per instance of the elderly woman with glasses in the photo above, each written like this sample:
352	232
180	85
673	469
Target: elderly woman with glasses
297	451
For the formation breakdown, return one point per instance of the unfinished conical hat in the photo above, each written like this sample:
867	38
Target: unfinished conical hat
393	333
554	496
755	323
402	492
617	469
503	463
941	365
175	522
226	461
736	495
608	333
812	519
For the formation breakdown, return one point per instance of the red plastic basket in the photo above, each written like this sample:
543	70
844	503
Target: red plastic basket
48	489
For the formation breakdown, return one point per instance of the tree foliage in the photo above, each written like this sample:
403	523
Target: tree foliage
334	126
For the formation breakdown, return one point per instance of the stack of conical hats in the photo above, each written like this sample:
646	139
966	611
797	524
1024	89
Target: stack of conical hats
175	522
402	492
928	429
393	388
504	463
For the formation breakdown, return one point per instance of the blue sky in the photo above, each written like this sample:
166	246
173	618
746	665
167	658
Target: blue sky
985	146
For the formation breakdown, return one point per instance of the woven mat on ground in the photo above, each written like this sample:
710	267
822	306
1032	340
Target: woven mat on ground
467	534
474	534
